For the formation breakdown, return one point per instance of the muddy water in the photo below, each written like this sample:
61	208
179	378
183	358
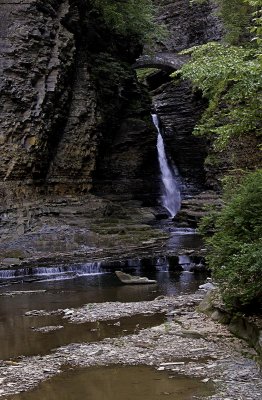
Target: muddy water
18	338
118	383
26	340
19	335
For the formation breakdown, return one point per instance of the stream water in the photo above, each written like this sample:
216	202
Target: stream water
17	331
68	286
118	383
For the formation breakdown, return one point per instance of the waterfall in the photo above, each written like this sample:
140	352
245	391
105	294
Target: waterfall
74	270
170	197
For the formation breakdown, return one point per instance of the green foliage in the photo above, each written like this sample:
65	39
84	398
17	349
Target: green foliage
236	247
241	278
230	77
236	17
129	17
257	21
208	223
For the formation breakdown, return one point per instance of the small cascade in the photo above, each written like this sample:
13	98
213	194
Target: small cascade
171	198
8	274
79	270
162	264
185	262
90	269
73	270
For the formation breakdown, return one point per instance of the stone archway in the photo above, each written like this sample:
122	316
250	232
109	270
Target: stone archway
164	61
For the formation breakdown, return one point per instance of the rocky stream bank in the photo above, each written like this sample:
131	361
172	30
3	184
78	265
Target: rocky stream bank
58	231
189	344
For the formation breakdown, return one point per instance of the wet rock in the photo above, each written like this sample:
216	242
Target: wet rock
192	334
46	329
196	207
207	286
215	356
11	261
114	310
43	313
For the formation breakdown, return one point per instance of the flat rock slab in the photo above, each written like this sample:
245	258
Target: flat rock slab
133	280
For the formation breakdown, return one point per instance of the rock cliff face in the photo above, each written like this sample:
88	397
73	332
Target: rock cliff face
36	68
74	120
67	88
189	24
73	117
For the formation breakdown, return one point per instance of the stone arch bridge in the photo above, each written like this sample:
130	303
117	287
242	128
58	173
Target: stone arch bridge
165	61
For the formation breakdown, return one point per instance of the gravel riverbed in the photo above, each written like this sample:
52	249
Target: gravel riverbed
189	343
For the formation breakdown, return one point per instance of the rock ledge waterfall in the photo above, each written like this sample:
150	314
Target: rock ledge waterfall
170	197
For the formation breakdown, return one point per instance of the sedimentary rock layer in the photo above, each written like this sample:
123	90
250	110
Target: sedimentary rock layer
178	106
67	93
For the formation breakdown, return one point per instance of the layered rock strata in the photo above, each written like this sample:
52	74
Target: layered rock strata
67	87
74	118
37	67
178	106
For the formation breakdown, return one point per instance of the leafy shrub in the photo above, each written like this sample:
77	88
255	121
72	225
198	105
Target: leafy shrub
230	77
229	74
236	247
241	277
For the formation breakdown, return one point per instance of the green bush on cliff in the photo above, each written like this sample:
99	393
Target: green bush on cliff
236	247
230	78
129	17
236	17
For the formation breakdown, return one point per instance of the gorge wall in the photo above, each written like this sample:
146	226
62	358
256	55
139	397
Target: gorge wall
37	66
74	118
67	88
75	127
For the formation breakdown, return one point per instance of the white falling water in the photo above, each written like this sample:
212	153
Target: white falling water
171	198
73	270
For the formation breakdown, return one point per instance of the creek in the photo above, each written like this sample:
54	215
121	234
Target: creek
70	286
118	383
57	288
73	331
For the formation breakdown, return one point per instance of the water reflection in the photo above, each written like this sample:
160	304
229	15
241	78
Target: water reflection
86	287
117	383
32	342
75	293
185	239
98	288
